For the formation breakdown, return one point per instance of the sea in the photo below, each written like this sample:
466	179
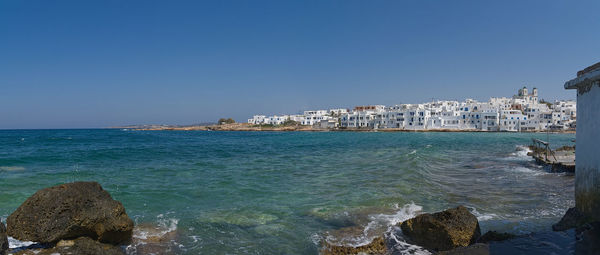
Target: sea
209	192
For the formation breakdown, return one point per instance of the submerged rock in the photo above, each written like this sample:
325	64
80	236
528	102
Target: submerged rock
151	239
3	239
475	249
495	236
573	218
82	245
69	211
376	247
444	230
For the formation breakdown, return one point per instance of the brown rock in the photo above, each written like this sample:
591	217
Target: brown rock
79	246
376	247
69	211
3	239
443	231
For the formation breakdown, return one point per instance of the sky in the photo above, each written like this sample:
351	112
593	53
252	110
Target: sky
94	64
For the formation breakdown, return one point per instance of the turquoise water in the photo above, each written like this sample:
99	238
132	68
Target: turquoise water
286	192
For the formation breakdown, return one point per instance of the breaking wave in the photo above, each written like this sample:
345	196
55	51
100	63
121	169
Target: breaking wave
377	224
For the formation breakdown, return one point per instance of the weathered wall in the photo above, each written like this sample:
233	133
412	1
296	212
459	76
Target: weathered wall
587	173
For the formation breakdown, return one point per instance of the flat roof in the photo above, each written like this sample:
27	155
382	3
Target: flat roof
585	79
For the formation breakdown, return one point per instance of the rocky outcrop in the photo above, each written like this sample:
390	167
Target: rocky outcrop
573	218
82	245
68	211
376	247
444	230
3	239
495	236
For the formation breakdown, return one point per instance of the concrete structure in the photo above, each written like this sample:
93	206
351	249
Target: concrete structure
587	173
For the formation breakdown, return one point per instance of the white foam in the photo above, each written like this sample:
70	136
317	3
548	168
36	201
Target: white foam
413	152
520	154
377	223
316	238
14	243
164	226
403	213
482	216
404	248
526	170
195	238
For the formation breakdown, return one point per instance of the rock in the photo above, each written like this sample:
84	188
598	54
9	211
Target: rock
443	231
82	245
376	247
495	236
3	239
69	211
475	249
151	239
572	219
588	238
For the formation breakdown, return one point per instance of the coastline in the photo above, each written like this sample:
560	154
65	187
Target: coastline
250	127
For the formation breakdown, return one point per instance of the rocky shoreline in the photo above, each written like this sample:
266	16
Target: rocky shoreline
249	127
456	232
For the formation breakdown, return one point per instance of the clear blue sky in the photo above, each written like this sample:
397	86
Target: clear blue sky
102	63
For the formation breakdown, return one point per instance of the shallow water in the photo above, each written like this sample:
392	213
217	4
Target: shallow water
285	192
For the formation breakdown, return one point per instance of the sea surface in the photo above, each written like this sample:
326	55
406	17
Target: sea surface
207	192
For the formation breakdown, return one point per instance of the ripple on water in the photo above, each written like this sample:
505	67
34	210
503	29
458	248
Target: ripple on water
280	193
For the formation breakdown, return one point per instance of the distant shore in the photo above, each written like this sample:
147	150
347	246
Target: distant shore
250	127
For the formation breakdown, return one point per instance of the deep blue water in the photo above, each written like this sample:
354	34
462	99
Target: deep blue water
286	192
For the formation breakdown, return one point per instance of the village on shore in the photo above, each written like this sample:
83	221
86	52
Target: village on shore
522	112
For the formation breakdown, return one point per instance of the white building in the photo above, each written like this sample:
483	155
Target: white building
587	172
522	112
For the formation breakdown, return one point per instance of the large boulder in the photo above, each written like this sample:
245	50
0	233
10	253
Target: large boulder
443	231
82	245
69	211
3	239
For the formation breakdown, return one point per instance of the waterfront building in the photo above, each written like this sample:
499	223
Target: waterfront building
587	172
315	117
521	112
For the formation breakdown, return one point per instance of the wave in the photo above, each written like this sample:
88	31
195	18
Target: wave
520	154
482	216
377	224
11	168
526	170
400	245
156	238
